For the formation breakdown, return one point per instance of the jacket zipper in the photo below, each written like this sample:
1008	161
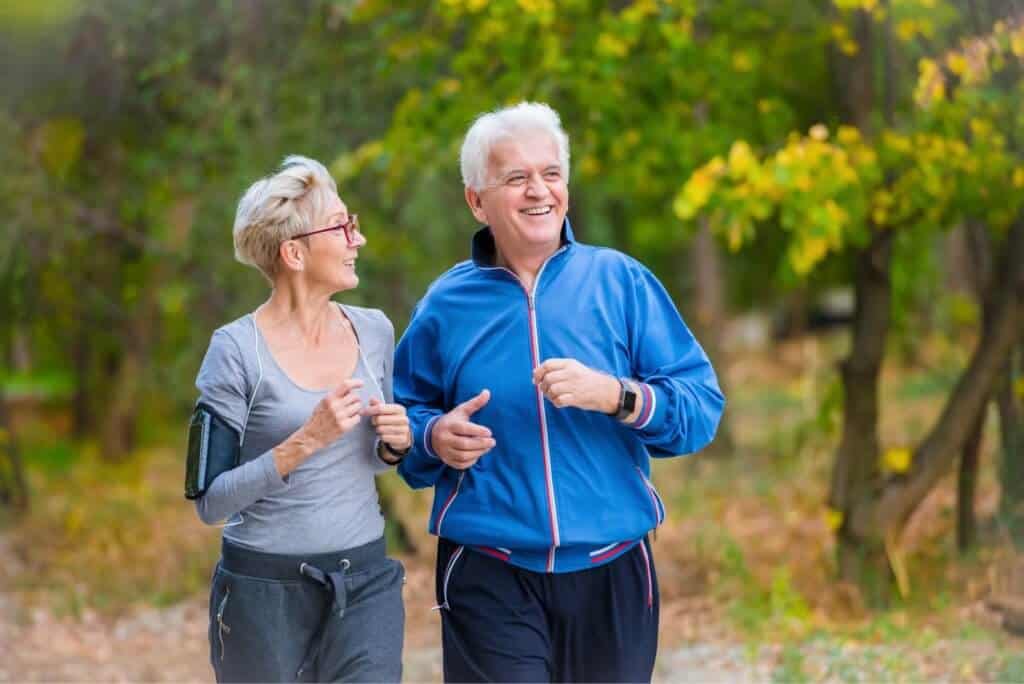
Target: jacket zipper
549	482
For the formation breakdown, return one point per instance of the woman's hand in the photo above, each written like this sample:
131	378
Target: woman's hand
333	416
391	424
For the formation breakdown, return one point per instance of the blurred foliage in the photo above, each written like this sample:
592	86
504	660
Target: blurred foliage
128	131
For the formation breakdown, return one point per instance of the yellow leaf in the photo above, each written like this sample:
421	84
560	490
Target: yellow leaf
897	460
897	562
848	135
906	29
1017	43
741	159
957	63
1018	387
981	128
611	45
833	518
742	62
1018	177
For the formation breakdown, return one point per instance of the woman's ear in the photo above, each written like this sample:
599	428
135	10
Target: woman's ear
292	255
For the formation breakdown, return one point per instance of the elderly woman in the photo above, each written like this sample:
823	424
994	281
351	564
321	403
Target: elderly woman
303	590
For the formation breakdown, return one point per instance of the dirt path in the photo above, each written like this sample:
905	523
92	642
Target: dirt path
170	645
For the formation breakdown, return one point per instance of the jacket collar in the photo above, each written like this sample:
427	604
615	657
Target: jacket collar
484	252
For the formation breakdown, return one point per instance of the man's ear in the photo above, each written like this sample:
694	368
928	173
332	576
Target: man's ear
292	256
476	205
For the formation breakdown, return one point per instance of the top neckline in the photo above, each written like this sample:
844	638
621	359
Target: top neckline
270	354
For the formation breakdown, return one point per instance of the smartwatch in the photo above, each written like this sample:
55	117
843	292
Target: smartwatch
627	399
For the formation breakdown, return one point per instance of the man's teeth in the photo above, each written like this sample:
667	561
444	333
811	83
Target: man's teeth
538	211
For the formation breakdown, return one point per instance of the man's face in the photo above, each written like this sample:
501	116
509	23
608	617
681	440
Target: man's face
526	196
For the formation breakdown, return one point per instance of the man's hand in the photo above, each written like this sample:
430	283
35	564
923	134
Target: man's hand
567	382
458	442
391	424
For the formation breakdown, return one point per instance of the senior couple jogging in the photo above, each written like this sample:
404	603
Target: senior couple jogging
531	388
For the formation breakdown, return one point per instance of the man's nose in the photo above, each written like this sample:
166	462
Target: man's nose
535	186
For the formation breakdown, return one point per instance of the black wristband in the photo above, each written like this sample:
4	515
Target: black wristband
398	454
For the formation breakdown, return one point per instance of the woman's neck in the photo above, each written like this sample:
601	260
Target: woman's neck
299	315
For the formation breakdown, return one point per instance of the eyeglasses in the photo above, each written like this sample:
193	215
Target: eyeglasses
350	227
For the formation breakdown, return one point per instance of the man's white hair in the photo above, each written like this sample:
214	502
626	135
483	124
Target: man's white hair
278	207
503	124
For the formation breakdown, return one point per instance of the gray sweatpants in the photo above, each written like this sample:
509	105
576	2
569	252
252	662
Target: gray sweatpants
340	618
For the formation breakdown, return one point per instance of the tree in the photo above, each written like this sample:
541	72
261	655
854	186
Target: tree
873	200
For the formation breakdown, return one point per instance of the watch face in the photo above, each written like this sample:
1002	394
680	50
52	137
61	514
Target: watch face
628	401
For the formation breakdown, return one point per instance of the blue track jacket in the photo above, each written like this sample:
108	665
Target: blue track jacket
563	489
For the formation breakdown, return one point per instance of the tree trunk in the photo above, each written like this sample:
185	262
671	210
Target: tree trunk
967	483
978	263
81	355
935	455
1011	464
709	309
13	486
855	479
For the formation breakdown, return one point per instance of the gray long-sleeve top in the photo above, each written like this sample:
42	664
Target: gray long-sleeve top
328	503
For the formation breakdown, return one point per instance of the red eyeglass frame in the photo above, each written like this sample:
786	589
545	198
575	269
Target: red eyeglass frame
350	227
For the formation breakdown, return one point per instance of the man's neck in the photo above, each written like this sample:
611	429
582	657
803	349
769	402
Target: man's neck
525	266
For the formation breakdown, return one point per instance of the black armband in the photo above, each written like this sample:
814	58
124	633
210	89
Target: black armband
213	449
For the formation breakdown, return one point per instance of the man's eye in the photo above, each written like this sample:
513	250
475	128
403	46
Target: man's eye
516	180
553	175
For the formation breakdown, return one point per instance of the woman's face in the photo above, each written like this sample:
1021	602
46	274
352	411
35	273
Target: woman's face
331	259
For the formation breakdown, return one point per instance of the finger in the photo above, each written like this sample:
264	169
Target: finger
467	457
564	400
345	387
375	408
393	431
557	388
391	419
471	443
553	365
467	429
471	453
471	406
461	462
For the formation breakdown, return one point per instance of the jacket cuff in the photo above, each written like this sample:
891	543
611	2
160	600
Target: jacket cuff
652	413
428	430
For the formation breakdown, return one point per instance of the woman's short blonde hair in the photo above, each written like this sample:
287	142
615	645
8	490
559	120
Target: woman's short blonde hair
277	207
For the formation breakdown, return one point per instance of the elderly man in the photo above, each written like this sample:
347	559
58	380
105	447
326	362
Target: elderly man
539	378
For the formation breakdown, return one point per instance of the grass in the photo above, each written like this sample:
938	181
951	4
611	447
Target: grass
106	537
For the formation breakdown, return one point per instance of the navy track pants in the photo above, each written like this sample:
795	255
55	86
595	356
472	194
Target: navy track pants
501	623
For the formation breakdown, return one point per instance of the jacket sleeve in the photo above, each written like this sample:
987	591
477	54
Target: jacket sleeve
418	385
682	400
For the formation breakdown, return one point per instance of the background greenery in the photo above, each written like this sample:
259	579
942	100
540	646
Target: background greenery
767	159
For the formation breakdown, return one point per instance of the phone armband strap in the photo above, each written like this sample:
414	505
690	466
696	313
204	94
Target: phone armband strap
213	449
